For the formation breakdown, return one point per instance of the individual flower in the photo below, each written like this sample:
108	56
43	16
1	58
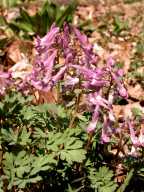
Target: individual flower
96	100
5	81
105	136
116	75
59	75
92	78
93	123
137	141
71	81
83	40
90	56
42	44
110	62
65	39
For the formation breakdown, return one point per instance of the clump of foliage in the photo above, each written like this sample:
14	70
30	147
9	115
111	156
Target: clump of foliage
10	3
64	145
120	25
28	26
38	147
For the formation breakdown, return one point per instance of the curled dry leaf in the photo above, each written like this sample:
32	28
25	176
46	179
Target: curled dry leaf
46	97
16	47
22	68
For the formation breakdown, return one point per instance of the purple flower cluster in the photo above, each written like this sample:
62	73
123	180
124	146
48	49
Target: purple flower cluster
42	77
67	56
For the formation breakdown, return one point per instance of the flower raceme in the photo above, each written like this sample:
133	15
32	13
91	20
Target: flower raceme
66	56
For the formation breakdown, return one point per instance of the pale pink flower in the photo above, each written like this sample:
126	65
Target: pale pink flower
92	125
5	81
71	81
105	136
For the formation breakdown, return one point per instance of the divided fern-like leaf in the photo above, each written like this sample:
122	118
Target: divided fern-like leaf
101	180
23	168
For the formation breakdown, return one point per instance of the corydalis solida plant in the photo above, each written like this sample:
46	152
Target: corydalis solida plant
67	57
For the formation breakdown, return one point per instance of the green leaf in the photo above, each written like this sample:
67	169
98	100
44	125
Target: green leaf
77	155
23	168
126	181
43	163
25	16
39	134
27	27
24	137
9	3
65	15
101	180
73	155
72	143
137	112
2	21
9	168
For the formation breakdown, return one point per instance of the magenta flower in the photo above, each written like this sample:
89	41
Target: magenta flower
59	75
141	137
83	40
58	59
119	83
111	115
48	40
96	99
92	126
122	91
116	75
92	78
90	56
65	39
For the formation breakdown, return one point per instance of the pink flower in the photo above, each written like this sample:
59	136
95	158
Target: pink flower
96	99
59	75
47	40
65	39
71	81
116	75
90	56
135	140
83	40
92	78
111	115
92	125
120	72
5	81
110	62
122	90
105	136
